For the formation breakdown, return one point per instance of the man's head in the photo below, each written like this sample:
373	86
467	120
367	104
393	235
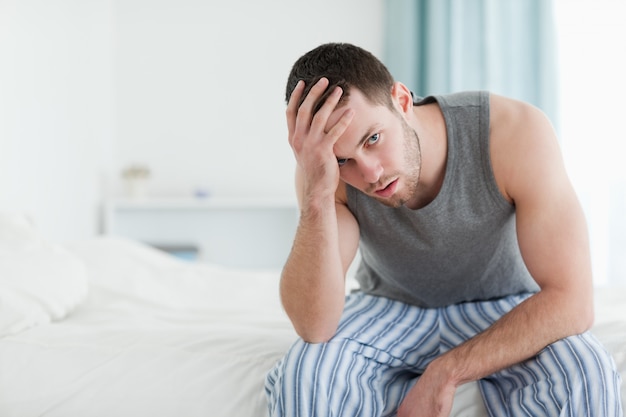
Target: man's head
378	151
346	66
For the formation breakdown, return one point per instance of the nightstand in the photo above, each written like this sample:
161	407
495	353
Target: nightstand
246	233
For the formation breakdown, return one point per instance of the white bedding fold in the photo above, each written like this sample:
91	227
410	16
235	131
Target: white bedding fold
147	275
39	282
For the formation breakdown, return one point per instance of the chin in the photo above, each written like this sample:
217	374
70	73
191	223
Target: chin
391	202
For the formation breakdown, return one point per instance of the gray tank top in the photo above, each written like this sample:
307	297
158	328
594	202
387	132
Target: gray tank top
460	247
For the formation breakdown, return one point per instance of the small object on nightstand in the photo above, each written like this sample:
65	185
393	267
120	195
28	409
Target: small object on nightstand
201	193
136	178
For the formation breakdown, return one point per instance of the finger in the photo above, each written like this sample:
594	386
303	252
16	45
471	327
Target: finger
330	100
292	106
303	113
305	109
339	128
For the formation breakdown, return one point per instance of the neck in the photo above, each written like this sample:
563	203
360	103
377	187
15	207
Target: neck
430	126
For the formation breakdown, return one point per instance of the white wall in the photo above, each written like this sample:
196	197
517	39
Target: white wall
200	86
592	44
192	88
56	111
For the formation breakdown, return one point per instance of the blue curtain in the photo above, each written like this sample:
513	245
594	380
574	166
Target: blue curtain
505	46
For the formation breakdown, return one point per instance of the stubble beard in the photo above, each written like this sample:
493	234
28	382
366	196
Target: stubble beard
409	179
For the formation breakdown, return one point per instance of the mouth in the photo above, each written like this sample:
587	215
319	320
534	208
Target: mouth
388	190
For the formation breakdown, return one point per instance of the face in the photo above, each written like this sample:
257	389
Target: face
379	153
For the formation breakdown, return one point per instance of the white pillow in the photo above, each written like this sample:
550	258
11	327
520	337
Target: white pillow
39	281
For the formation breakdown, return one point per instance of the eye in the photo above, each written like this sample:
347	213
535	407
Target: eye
342	161
373	139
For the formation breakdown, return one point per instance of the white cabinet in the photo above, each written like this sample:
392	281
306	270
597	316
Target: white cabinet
232	232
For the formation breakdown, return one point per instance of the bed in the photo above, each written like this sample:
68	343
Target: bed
113	327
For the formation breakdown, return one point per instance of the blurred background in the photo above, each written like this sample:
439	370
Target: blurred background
112	110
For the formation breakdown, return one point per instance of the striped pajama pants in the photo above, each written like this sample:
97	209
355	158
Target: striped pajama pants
382	346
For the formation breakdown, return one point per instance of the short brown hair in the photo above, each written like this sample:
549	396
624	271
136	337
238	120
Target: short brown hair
344	65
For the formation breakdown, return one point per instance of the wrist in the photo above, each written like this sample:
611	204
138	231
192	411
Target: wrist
449	369
318	205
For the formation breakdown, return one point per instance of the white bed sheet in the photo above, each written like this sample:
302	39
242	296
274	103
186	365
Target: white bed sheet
155	337
161	337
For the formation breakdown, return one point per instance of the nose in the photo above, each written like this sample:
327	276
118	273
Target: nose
371	170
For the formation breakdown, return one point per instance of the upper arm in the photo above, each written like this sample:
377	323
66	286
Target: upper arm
530	172
347	225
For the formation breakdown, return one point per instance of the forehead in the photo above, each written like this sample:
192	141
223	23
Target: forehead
367	116
356	100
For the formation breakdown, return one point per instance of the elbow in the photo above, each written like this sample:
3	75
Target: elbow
314	324
586	319
583	316
315	338
316	334
582	324
316	319
573	311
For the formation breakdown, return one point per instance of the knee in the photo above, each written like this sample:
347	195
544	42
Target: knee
315	379
575	373
293	381
589	375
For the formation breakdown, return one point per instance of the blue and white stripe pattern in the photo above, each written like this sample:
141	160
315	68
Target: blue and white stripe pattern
382	346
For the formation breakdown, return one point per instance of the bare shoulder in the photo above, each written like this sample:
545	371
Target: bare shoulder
524	148
550	222
512	115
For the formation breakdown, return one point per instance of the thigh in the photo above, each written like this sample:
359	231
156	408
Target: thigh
574	376
409	336
460	322
364	370
336	379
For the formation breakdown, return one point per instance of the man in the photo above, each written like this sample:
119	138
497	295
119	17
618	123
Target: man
475	261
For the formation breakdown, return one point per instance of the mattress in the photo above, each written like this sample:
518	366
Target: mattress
153	335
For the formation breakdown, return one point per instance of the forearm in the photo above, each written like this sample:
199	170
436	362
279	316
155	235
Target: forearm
542	319
312	282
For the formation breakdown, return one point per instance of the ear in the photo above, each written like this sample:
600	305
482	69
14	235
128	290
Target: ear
402	98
